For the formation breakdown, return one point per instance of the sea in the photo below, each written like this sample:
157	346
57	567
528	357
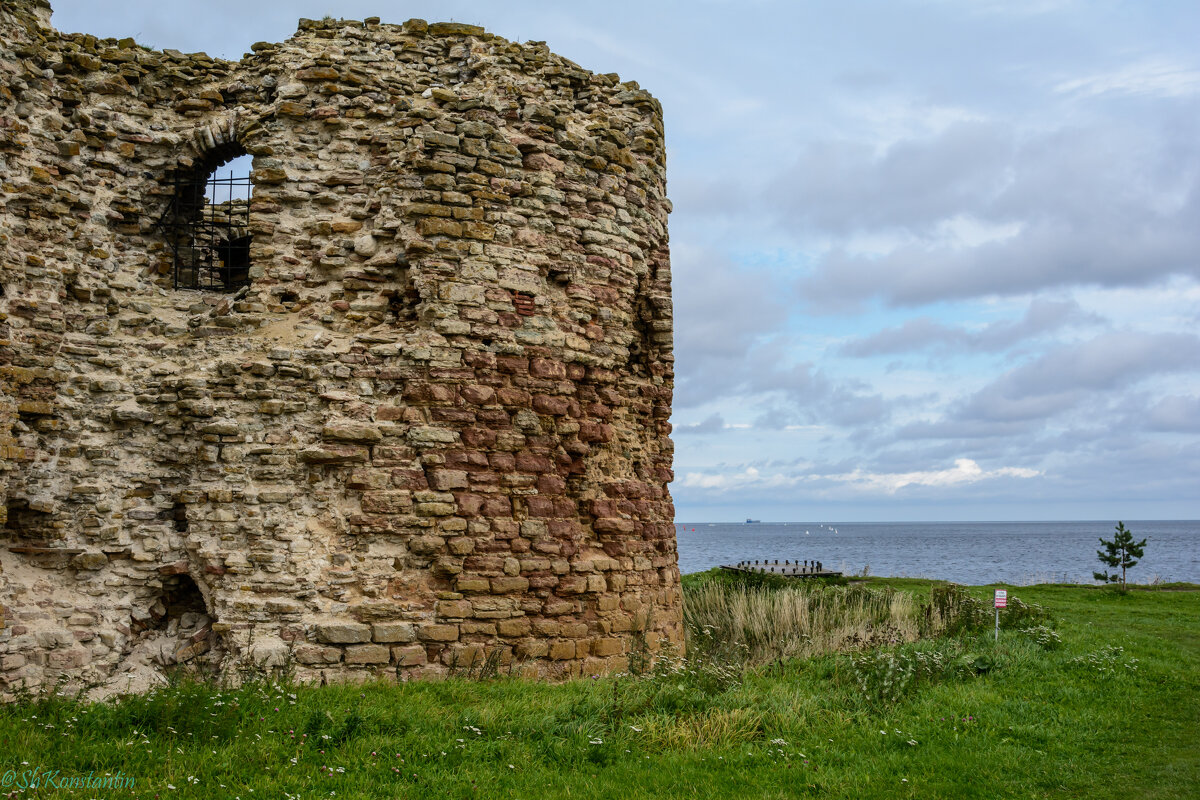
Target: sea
1017	553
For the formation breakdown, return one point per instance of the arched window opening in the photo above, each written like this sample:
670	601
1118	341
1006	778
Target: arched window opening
207	224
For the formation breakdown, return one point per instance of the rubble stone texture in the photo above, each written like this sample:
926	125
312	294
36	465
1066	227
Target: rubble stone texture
432	430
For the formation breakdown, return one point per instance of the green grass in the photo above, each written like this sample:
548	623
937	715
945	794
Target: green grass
972	719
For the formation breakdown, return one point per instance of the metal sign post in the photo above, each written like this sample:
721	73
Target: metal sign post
1001	602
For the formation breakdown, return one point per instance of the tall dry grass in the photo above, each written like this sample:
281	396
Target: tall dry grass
803	620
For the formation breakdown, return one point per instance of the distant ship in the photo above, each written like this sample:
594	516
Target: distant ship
753	521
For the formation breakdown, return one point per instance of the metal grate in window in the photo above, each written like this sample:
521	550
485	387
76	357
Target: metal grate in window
207	227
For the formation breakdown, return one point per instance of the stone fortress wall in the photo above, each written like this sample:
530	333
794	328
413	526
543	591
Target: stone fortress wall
432	429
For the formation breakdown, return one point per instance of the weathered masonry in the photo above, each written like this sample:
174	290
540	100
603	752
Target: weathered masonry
403	408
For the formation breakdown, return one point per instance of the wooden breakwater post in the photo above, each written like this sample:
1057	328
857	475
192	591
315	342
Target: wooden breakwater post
788	569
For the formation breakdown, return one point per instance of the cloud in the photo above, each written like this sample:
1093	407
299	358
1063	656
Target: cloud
722	312
837	187
1174	414
964	471
714	423
988	208
1107	362
1154	77
1068	378
730	345
965	429
1043	316
1008	8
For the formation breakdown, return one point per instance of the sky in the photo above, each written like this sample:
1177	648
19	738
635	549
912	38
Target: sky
932	259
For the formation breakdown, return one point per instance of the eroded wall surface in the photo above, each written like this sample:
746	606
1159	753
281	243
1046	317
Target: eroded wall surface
433	427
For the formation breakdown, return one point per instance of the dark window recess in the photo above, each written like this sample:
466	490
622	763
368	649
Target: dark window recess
640	349
179	515
207	227
403	298
28	523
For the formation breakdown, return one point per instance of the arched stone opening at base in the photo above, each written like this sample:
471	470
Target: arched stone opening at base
173	628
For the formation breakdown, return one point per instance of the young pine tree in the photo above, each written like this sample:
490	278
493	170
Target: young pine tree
1121	552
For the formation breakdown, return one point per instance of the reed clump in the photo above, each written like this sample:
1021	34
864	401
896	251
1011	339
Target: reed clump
776	621
799	621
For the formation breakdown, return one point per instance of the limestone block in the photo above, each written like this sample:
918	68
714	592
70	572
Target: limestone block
393	632
66	659
454	608
535	648
316	654
270	652
507	585
514	627
465	584
555	607
333	454
343	633
425	545
461	546
351	431
89	561
448	479
425	435
409	655
560	650
394	501
429	632
367	654
11	661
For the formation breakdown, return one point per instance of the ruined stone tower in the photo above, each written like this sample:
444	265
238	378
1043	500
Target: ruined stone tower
408	411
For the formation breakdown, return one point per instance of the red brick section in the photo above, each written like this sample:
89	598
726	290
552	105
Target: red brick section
523	304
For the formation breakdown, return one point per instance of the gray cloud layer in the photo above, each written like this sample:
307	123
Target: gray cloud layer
1073	206
1043	317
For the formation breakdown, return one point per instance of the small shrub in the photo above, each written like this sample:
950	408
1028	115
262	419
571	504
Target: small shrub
714	728
883	676
351	728
1044	637
952	611
888	676
1020	614
316	723
1108	661
979	663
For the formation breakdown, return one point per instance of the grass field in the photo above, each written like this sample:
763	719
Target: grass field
1102	700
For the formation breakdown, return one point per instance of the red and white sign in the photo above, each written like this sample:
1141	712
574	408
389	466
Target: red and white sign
1001	598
